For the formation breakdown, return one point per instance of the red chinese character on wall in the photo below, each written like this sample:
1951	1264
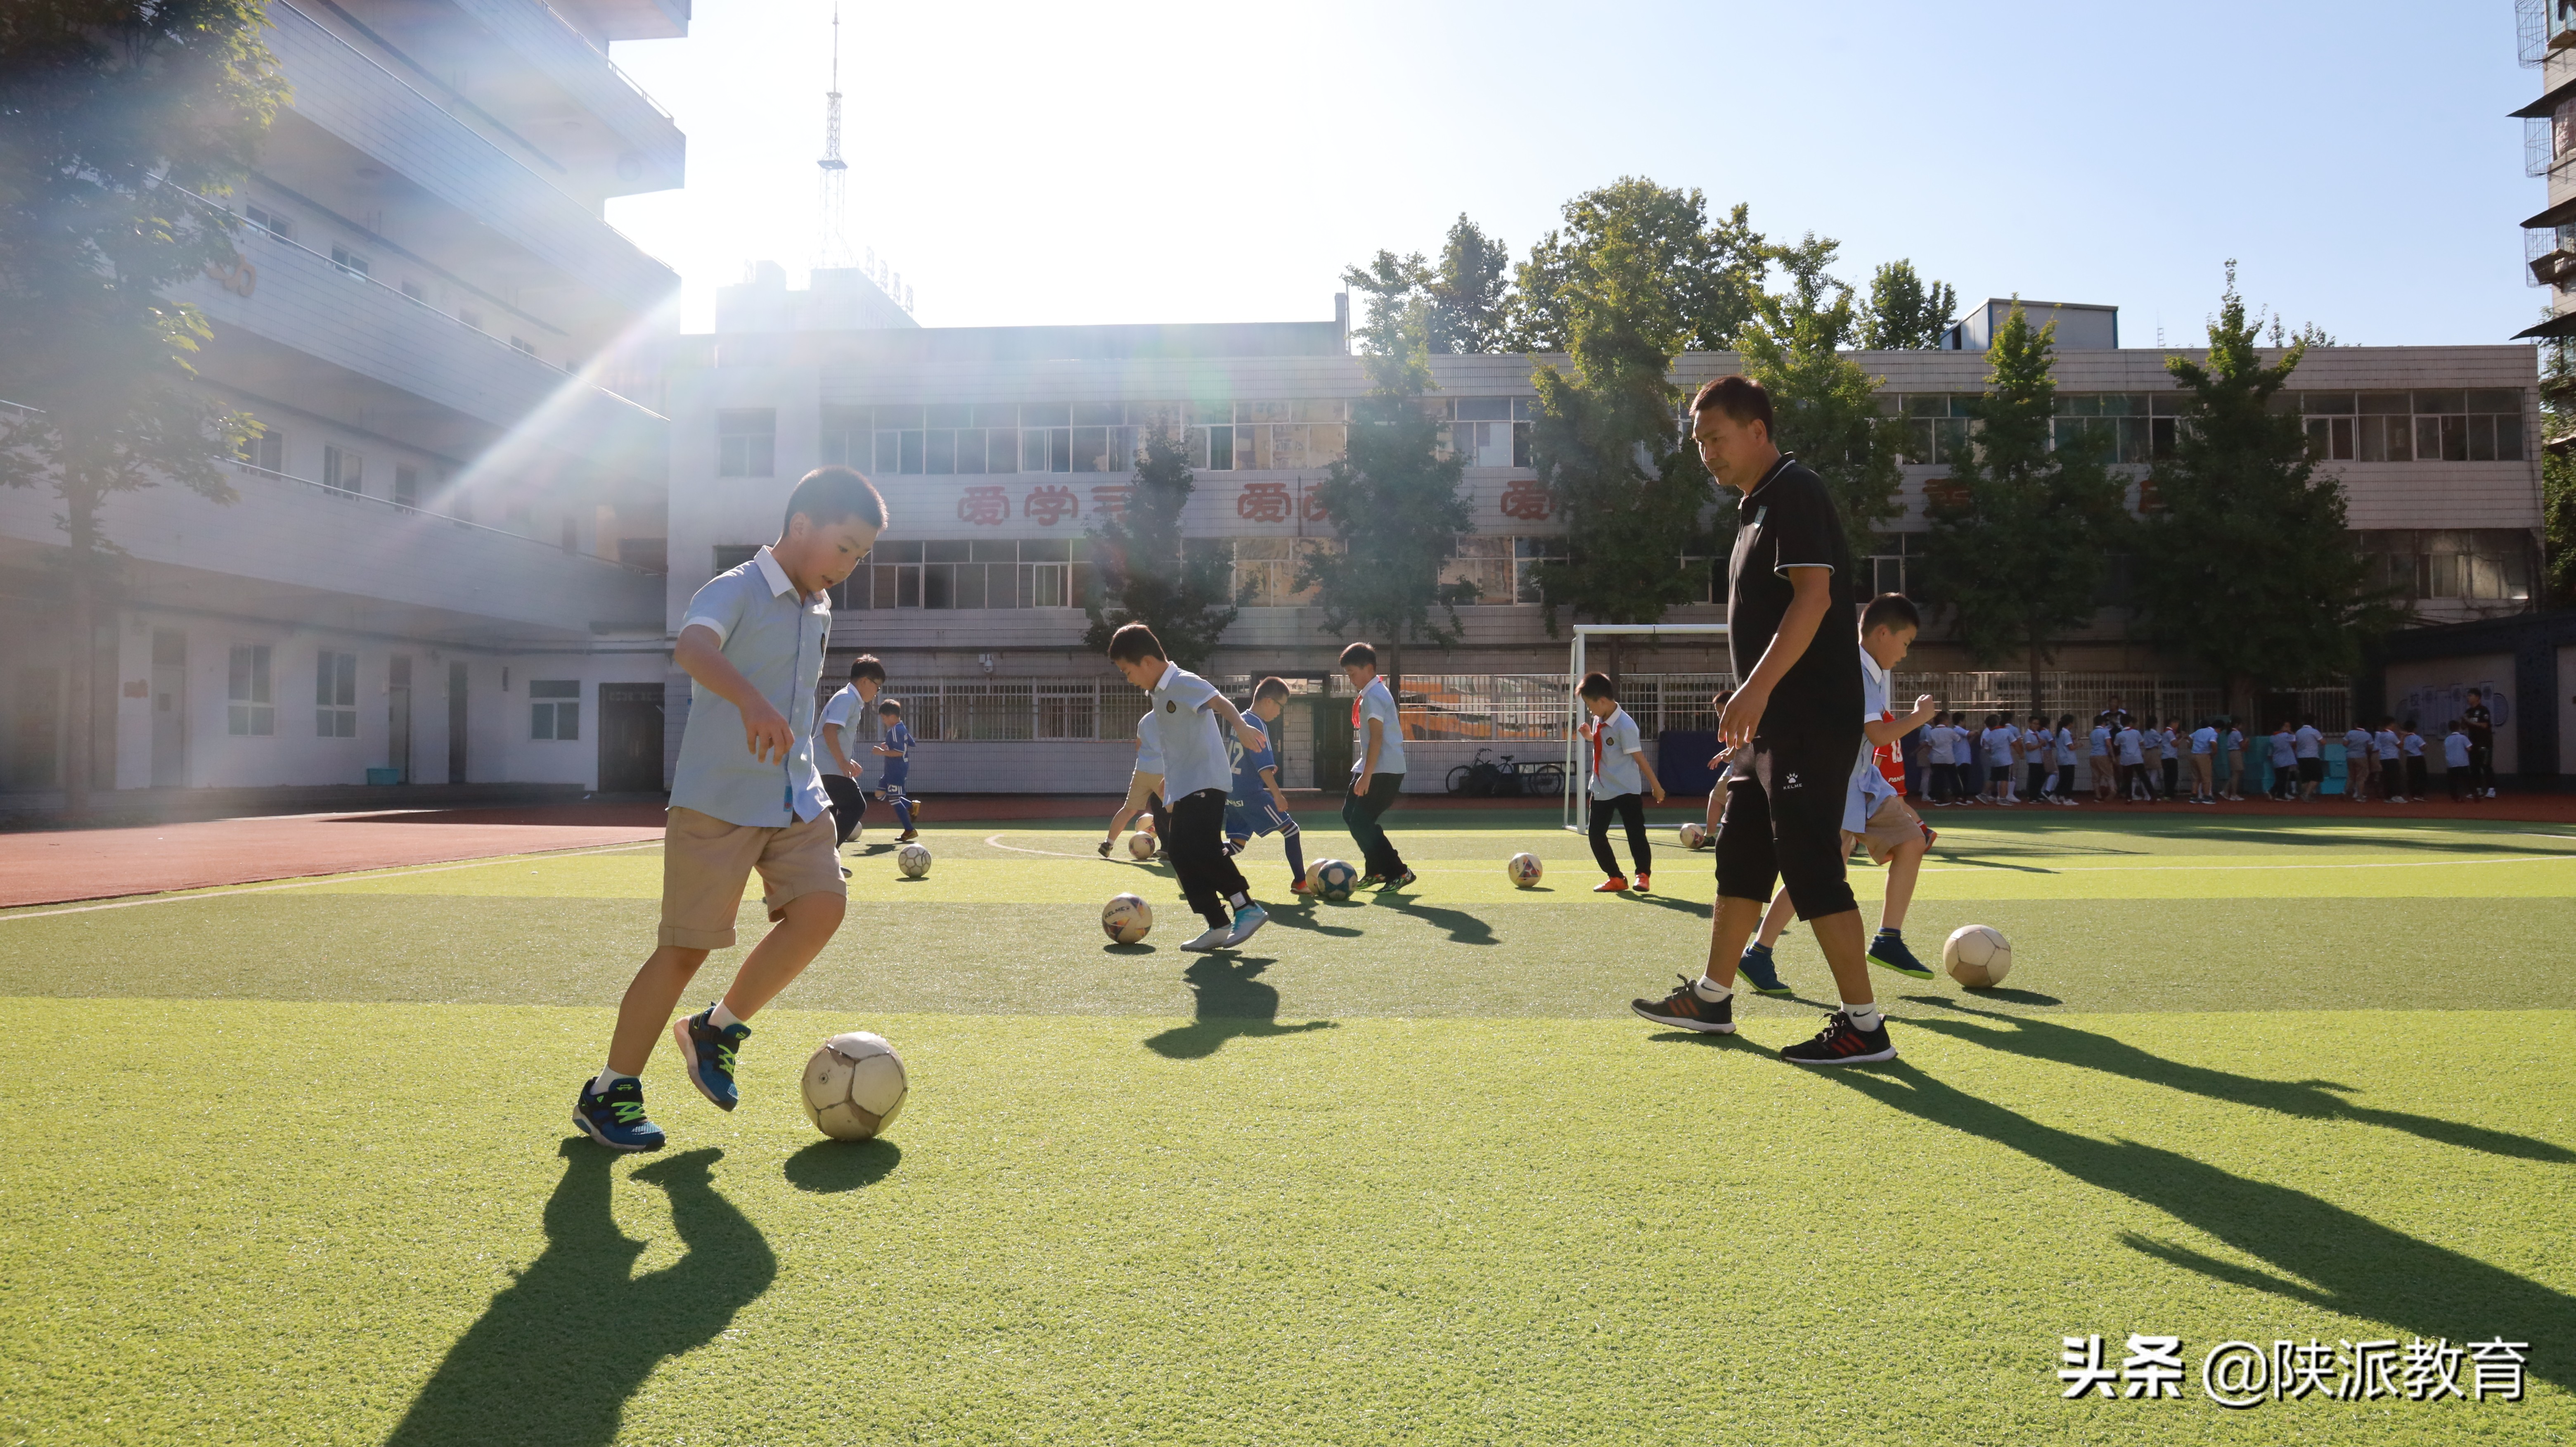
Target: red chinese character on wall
1049	505
985	507
1526	499
1314	509
1263	502
1110	499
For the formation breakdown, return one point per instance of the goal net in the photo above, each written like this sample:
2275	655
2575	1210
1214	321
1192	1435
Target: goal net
1578	759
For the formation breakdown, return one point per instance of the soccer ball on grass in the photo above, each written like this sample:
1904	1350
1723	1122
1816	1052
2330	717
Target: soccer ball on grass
1334	879
1977	956
1524	869
1141	844
1126	919
854	1086
913	860
1694	835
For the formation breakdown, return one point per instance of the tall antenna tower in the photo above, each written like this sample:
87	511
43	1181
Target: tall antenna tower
835	250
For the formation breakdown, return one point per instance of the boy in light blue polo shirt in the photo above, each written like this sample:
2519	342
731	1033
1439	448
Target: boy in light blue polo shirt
1377	770
1620	777
1196	777
745	796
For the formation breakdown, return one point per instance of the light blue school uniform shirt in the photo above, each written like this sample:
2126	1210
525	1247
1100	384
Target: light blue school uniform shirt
2307	742
2455	751
1963	750
1868	787
2386	742
1375	702
2204	739
1615	743
2130	744
842	709
1194	756
774	638
1149	747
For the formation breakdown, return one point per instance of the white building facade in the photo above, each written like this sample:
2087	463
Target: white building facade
445	561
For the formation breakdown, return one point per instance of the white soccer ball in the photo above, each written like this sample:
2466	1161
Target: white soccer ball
1694	834
1141	844
1524	869
1977	956
913	860
854	1086
1126	919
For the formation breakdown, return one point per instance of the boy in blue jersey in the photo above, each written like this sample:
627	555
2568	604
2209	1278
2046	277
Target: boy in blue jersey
1255	805
895	747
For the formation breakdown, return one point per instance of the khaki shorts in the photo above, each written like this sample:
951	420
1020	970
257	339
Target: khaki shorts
1889	828
706	862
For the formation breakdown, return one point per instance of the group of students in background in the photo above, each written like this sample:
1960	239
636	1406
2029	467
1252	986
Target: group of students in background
1998	762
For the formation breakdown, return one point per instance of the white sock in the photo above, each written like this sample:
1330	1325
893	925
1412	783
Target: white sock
722	1018
608	1078
1863	1017
1711	991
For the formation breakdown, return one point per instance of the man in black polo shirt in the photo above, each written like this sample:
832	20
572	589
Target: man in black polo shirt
1795	722
2480	721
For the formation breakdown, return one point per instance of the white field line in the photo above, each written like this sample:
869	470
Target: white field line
483	863
996	842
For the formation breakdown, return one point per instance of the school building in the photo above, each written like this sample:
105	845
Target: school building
444	563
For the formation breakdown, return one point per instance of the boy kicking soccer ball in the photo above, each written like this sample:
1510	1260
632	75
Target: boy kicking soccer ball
1187	713
1256	806
1144	789
745	796
1619	772
894	745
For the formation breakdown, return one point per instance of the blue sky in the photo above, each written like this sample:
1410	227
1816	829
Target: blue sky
1195	162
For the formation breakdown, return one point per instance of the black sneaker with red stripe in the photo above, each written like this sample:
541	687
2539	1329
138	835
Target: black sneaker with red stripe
1685	1008
1841	1044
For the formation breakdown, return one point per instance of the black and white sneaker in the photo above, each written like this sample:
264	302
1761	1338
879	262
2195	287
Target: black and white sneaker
1686	1008
1839	1043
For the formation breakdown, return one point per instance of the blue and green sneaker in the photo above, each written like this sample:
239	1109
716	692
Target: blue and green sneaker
1888	952
1755	968
707	1052
615	1117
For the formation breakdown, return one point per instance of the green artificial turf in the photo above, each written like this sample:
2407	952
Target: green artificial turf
295	1164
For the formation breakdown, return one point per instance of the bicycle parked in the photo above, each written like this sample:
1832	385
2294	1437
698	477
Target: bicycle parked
1485	778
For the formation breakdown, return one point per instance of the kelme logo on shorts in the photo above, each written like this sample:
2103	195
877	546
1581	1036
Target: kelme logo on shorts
1790	782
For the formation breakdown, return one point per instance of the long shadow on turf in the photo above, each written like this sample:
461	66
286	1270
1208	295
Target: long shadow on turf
2041	1039
2328	1258
1232	1004
1463	928
557	1354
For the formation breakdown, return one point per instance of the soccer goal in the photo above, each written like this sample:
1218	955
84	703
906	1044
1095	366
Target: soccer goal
1578	759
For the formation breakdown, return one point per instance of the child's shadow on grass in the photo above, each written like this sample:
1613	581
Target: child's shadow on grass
1463	928
1300	915
1232	1004
558	1352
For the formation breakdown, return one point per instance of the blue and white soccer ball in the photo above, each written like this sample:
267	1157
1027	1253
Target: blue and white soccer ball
1335	879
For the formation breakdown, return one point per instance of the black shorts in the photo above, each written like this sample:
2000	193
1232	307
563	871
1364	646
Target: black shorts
2312	770
1783	824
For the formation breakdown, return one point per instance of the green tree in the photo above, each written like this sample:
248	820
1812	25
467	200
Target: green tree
1904	313
119	121
1824	405
1710	273
2558	472
1140	570
2245	561
1396	505
2020	532
1607	438
1464	300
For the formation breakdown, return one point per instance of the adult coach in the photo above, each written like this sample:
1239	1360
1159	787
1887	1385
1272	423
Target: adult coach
1795	723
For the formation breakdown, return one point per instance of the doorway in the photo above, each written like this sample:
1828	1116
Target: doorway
456	723
398	717
630	738
169	708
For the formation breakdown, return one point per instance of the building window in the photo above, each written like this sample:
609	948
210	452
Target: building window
1890	568
343	470
253	709
270	222
470	317
267	451
947	439
1036	573
335	695
556	713
414	290
2473	565
406	486
730	556
2481	426
1266	569
522	344
349	262
1484	431
747	442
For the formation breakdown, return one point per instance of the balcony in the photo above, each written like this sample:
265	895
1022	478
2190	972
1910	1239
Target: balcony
303	302
370	109
655	147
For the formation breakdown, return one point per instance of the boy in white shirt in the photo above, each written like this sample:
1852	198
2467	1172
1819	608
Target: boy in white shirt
2285	763
2309	744
1936	748
835	741
2235	763
1197	775
2384	749
2455	760
2204	745
2002	742
2357	771
1620	774
1963	757
1144	791
2102	771
2132	746
2412	743
1377	770
1874	813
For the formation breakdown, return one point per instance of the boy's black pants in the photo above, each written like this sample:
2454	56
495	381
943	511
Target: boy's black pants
1196	843
1631	808
1360	813
849	804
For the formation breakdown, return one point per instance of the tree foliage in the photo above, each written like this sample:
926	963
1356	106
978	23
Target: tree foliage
1459	305
1140	570
2021	531
1395	503
1606	437
1904	313
2558	472
122	123
2245	561
1824	406
1710	273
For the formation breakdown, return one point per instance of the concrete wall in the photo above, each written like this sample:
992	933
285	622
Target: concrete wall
2430	691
